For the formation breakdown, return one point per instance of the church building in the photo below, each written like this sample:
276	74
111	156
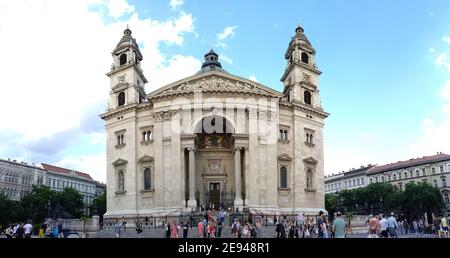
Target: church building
214	139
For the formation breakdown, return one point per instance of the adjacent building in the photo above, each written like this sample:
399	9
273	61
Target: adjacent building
18	178
351	179
434	170
214	139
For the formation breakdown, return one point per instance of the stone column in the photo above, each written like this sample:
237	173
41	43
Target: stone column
183	179
192	203
238	202
247	178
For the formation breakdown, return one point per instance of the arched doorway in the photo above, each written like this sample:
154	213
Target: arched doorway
214	146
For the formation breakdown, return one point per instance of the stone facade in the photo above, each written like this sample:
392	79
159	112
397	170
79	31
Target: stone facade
214	139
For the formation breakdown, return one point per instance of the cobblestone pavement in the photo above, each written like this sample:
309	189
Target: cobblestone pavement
266	232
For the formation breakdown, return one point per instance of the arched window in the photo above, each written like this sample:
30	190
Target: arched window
309	179
121	139
283	177
285	134
307	96
394	177
311	138
307	138
147	179
121	182
118	139
149	135
305	58
121	99
123	59
281	135
144	136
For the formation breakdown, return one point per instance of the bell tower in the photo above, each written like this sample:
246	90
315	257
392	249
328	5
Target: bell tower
301	76
127	79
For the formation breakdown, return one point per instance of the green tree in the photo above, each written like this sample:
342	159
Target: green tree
420	198
35	203
99	204
10	211
71	202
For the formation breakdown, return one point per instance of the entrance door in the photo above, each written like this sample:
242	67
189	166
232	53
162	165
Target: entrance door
214	193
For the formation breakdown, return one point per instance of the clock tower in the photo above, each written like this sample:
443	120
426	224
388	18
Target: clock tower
126	76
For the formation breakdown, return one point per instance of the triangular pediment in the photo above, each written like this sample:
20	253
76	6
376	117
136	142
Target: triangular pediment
310	160
214	81
119	162
145	158
285	157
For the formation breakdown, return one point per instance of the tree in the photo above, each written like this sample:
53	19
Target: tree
10	211
420	198
99	204
35	203
71	202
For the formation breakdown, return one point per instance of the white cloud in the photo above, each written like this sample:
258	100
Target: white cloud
98	138
175	3
252	78
118	8
442	61
445	92
227	32
94	165
431	50
54	70
226	59
435	136
446	39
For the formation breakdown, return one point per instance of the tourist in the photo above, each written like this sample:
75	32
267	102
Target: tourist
41	231
321	226
20	231
373	227
245	231
253	232
28	229
339	226
240	228
210	229
281	230
9	232
392	225
219	229
15	229
185	228
174	230
444	226
234	228
400	227
421	227
205	225
168	230
416	227
293	230
116	229
200	229
383	227
222	216
124	224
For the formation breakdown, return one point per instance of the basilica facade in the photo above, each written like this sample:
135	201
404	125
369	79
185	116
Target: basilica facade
214	139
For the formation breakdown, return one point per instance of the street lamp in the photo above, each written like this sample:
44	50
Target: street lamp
48	208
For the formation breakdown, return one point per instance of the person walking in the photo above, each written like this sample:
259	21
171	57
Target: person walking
222	216
168	230
240	229
200	229
293	232
117	229
20	231
28	229
383	227
339	226
9	231
392	225
373	227
185	228
321	226
219	229
281	230
444	227
416	227
174	230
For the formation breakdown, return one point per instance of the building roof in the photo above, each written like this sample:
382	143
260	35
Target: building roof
65	171
211	63
409	163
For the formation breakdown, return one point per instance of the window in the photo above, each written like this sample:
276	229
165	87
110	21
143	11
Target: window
411	174
358	181
354	182
305	58
447	200
309	179
285	134
121	182
435	183
424	173
417	173
376	179
433	171
283	177
281	135
123	59
345	183
362	180
339	185
307	97
441	169
147	179
121	99
389	177
382	178
400	186
120	139
370	180
406	175
444	182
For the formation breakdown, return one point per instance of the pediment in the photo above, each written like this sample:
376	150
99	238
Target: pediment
119	162
285	157
120	86
145	158
215	81
310	160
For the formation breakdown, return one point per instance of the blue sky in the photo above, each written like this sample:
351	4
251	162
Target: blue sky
385	64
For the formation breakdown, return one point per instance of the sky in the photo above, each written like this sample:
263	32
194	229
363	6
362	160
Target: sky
385	64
